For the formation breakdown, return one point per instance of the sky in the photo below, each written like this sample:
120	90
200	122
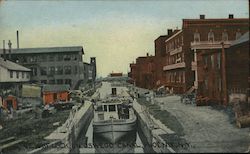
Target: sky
115	32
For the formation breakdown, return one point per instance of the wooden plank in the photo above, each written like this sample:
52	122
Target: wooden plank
5	146
7	140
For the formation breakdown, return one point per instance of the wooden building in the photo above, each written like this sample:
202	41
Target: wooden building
55	93
10	102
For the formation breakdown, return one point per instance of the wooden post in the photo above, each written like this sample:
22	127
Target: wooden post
224	81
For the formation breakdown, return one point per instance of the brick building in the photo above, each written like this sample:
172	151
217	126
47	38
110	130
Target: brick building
132	73
209	38
145	69
160	57
175	71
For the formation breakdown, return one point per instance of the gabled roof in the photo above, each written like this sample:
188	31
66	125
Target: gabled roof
242	39
55	88
12	66
46	50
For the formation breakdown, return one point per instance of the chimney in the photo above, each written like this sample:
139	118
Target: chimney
17	39
170	31
231	16
4	54
202	16
9	44
147	54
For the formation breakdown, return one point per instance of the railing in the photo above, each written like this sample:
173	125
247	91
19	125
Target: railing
175	51
174	66
209	44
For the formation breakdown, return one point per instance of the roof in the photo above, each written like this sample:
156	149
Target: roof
217	19
242	39
177	33
46	50
12	66
55	88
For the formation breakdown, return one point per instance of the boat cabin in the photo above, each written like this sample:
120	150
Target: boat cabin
107	111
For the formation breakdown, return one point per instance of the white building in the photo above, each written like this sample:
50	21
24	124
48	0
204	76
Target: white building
12	72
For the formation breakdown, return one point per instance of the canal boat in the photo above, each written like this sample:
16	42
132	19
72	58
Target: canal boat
113	119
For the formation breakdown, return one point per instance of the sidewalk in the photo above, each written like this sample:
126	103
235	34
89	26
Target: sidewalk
206	129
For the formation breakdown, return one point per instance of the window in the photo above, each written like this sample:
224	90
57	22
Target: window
75	57
17	74
33	59
67	69
43	58
44	81
111	108
22	74
196	36
51	57
75	70
59	81
238	34
206	60
206	83
105	107
34	71
67	57
11	74
59	57
219	84
43	71
27	75
212	60
183	76
59	70
211	36
218	60
113	91
68	81
52	82
51	70
224	36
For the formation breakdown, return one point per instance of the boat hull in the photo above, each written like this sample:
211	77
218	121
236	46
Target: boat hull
114	130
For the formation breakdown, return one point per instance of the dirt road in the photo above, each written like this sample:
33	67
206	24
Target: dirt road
207	129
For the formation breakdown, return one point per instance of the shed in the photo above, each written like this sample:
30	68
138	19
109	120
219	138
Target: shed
55	93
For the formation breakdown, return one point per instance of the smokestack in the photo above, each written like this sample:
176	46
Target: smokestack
17	41
170	31
9	49
202	16
230	16
4	54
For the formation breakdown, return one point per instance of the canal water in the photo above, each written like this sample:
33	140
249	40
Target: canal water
92	143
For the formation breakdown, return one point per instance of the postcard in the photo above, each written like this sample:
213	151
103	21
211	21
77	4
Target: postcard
125	76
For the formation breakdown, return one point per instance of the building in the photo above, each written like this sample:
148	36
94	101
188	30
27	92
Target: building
132	73
208	39
148	72
176	60
10	102
11	72
160	57
55	93
54	65
145	71
237	59
116	74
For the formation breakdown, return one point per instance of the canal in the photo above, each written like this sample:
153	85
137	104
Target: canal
133	142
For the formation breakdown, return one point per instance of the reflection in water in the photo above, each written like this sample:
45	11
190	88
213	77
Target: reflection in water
125	145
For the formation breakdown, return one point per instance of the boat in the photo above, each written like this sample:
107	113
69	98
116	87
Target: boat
113	119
